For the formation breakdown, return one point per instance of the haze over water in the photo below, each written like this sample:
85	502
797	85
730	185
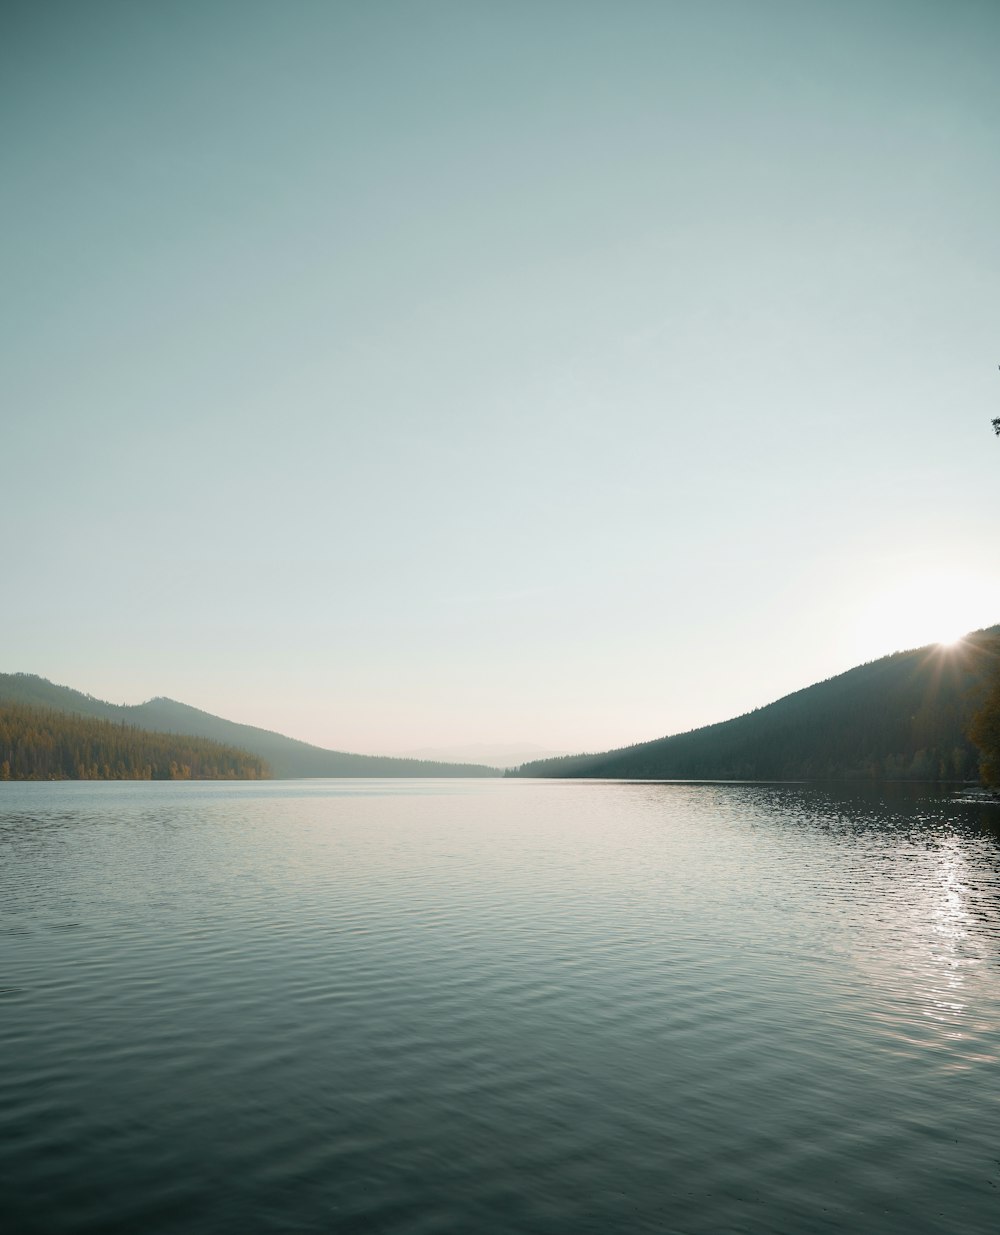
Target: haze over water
497	1006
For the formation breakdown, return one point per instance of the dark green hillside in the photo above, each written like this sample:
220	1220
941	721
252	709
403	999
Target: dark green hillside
38	743
285	756
902	717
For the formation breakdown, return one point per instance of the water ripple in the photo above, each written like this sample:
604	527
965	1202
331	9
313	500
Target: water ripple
497	1006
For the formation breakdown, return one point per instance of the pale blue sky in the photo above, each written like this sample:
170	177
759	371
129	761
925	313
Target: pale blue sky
407	375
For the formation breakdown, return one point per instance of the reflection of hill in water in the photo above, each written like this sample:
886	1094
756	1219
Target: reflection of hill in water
899	718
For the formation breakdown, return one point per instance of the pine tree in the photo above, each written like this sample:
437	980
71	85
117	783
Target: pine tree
984	730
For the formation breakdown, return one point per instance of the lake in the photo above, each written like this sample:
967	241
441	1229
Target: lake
498	1006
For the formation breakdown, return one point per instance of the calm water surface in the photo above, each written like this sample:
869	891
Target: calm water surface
497	1006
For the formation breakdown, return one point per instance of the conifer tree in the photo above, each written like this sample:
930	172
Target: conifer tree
984	730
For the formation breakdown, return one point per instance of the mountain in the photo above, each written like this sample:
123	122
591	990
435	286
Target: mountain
286	757
902	717
496	754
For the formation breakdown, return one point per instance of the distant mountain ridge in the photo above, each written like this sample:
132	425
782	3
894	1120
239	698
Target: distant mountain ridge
496	754
286	757
903	717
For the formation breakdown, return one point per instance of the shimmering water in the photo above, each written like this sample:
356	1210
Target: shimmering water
497	1006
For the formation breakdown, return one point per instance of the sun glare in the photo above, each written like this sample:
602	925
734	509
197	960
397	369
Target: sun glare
933	607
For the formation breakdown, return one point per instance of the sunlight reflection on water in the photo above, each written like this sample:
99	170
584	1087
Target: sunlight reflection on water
513	1006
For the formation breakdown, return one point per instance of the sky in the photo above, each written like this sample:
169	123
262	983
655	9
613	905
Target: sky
415	375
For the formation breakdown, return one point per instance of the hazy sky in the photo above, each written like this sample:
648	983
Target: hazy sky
413	374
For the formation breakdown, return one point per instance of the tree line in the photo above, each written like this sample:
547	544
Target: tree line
910	716
43	744
984	730
285	757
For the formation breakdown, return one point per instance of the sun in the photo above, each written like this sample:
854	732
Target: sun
932	606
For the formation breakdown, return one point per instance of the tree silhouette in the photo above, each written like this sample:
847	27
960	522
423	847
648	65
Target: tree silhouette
985	734
996	421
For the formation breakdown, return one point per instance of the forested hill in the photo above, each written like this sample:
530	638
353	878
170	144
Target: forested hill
902	717
286	757
38	743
